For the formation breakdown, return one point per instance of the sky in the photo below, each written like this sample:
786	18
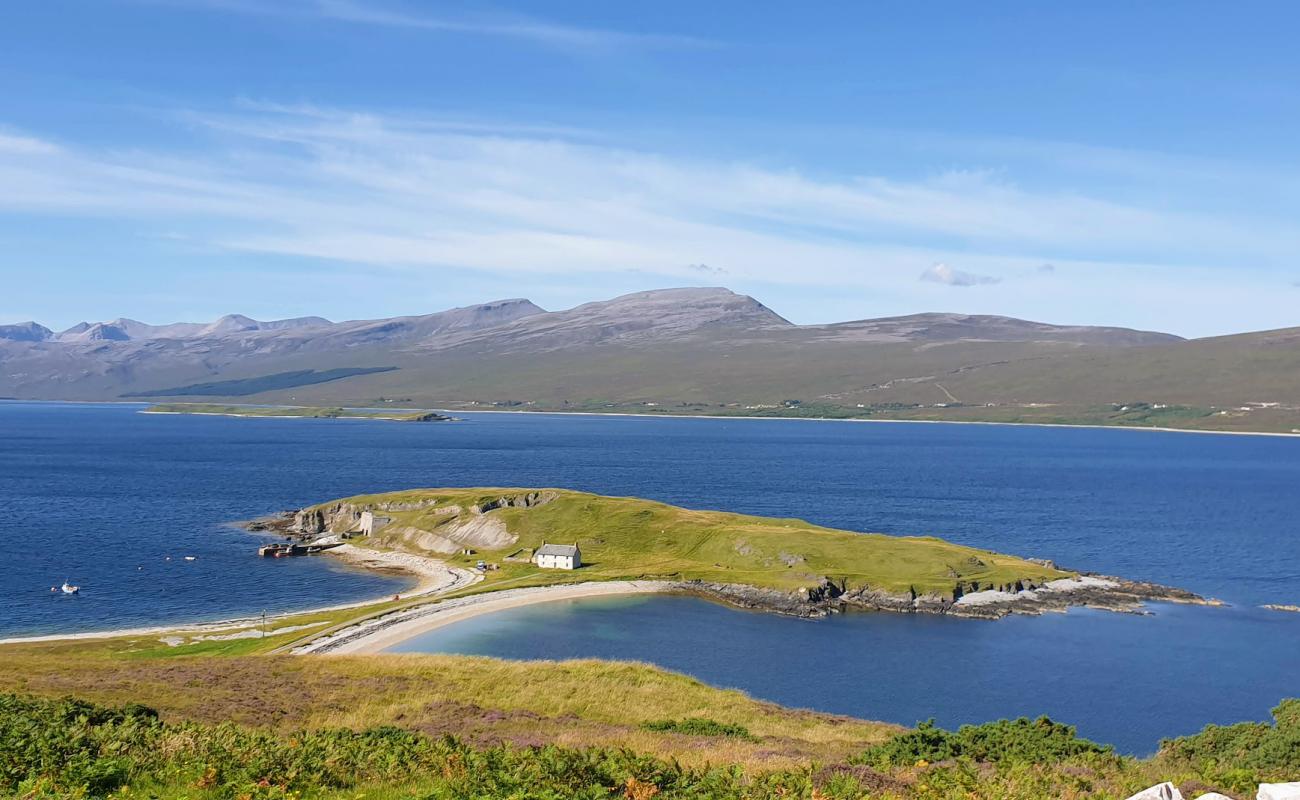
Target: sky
1110	163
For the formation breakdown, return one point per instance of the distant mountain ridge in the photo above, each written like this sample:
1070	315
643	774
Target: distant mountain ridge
686	349
663	312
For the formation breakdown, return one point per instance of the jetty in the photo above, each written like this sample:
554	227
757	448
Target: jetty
284	549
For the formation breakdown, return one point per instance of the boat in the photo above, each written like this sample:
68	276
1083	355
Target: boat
68	588
190	558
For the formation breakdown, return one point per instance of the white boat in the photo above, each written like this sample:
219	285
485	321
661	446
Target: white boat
190	558
68	588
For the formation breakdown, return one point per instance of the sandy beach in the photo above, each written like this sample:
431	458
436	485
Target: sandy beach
380	633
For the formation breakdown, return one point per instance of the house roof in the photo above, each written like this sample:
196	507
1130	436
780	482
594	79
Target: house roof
558	550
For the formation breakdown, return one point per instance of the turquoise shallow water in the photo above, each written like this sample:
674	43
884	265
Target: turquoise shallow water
102	495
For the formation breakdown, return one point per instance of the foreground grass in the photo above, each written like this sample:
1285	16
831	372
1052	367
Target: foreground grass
74	749
630	538
484	701
311	412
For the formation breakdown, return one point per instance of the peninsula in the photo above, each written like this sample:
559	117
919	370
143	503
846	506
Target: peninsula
311	412
787	566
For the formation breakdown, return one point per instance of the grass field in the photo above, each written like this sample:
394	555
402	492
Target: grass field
485	701
629	538
443	727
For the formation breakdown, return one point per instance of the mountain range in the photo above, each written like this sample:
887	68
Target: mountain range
678	350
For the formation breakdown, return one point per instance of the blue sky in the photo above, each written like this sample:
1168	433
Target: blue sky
1110	163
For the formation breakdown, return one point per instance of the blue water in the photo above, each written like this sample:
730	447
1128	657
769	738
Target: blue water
1123	679
102	495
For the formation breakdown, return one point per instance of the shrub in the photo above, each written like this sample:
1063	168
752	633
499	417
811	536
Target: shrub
699	726
1239	754
1021	740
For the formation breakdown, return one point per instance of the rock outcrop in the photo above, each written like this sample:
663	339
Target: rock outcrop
1094	591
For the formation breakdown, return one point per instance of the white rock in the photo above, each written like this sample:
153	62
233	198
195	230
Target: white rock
1279	791
1214	796
1164	791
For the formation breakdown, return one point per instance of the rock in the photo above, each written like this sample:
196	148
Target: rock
1163	791
1213	796
1279	791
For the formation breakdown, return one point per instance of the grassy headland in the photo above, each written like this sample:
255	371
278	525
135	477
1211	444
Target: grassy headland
294	411
625	538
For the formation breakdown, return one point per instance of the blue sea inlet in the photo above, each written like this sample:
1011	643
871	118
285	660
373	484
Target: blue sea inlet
113	500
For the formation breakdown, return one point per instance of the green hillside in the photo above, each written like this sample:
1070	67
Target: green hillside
626	538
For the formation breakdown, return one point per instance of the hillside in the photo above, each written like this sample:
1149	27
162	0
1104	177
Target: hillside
680	351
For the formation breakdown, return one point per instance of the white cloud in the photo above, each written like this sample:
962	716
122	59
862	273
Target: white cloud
405	193
388	15
942	273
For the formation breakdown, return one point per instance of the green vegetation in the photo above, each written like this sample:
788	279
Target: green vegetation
1039	741
699	726
293	411
629	538
1235	755
242	387
67	748
484	701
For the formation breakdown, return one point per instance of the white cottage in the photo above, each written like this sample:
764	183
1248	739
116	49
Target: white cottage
558	556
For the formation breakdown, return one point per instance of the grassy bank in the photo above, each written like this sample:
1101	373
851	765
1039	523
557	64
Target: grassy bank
630	538
310	412
483	701
72	748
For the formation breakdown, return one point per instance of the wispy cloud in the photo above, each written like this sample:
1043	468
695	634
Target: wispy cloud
411	194
942	273
514	26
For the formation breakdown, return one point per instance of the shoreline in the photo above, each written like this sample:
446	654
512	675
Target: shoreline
1158	429
863	419
377	634
431	577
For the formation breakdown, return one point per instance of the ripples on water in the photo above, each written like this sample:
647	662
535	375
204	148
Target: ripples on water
102	495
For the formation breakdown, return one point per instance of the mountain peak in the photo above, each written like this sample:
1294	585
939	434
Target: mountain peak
25	332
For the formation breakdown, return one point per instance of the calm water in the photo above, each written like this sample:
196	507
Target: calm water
102	495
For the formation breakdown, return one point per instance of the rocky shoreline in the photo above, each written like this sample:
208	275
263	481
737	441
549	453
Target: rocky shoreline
1091	591
378	633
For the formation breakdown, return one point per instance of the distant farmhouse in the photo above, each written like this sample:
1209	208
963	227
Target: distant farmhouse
558	556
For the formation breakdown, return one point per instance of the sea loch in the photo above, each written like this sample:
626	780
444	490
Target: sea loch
114	501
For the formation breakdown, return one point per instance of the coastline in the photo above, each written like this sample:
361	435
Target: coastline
862	419
431	577
377	634
1158	429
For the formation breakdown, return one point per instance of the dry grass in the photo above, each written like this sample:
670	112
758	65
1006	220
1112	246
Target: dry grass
485	701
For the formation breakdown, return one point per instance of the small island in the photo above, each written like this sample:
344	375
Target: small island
506	541
304	412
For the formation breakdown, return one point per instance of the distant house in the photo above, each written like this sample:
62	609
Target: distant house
558	556
371	523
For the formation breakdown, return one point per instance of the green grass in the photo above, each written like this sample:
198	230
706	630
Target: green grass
292	411
699	726
70	748
630	538
574	703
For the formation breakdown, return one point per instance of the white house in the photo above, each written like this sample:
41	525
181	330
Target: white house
558	556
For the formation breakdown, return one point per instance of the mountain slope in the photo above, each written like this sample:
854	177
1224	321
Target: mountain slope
683	350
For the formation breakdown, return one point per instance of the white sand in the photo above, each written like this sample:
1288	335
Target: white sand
380	633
